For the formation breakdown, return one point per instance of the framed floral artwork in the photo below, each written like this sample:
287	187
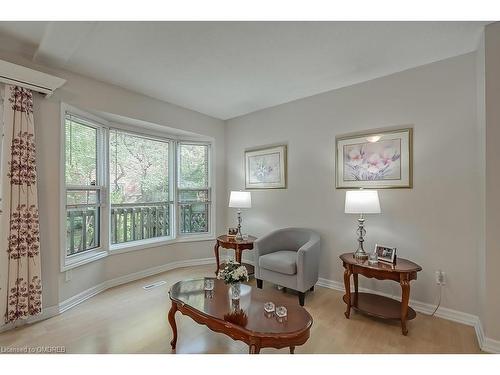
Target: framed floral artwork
265	168
378	160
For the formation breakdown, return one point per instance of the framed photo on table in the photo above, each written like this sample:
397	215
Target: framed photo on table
376	160
385	254
265	168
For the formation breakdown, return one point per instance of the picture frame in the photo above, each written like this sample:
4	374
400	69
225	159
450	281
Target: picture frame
266	167
232	232
385	254
375	160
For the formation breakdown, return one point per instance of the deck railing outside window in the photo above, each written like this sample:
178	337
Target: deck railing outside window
139	221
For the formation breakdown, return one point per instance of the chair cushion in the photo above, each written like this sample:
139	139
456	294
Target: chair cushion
280	261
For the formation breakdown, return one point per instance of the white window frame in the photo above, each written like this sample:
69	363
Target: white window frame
72	261
156	241
210	231
105	247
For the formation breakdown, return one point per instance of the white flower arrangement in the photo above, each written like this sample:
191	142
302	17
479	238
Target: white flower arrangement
233	273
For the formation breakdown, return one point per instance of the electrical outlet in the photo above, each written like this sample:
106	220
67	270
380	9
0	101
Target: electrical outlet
68	276
440	278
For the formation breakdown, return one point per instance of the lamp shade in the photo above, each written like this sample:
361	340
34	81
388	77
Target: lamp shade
240	199
362	202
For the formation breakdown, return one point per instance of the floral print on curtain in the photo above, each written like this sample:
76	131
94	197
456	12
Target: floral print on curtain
20	206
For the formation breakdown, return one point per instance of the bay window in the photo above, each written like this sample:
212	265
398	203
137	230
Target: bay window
128	190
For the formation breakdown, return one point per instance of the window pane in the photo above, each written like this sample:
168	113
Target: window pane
82	229
194	218
138	169
74	197
193	195
81	153
193	166
139	184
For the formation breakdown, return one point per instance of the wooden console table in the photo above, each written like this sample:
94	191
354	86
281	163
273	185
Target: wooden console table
372	304
228	242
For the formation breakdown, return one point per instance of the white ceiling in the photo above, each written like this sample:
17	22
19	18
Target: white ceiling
227	69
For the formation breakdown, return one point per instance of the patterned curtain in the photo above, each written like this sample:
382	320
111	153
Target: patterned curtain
19	216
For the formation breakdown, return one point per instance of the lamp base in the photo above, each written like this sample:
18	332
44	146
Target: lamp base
239	236
360	254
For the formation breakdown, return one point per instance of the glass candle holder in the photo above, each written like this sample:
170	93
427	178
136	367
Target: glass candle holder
372	259
269	307
281	313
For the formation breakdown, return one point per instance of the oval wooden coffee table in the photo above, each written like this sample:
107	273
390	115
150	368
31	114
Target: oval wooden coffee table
243	320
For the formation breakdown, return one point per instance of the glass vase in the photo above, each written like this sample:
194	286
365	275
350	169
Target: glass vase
235	290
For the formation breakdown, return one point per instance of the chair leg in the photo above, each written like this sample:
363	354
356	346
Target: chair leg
302	297
312	289
259	283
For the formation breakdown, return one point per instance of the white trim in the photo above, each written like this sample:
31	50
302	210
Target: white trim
486	344
160	241
80	297
85	257
126	247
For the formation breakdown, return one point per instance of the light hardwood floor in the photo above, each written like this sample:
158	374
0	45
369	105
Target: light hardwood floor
128	319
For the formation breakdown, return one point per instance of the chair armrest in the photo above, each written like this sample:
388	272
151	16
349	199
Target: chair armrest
308	264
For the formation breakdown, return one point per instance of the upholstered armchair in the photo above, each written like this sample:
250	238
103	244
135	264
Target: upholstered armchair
288	257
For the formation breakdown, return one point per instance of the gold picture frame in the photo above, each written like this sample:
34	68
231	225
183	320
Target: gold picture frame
266	167
375	160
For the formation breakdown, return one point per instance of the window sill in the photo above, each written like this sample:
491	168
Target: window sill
81	259
142	245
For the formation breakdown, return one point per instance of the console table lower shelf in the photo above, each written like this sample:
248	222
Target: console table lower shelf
378	306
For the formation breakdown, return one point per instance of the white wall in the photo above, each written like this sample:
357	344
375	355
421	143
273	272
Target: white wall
89	94
433	224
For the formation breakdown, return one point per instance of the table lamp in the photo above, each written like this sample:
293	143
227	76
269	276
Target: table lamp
361	202
239	200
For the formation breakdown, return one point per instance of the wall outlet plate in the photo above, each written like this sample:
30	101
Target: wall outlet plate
440	278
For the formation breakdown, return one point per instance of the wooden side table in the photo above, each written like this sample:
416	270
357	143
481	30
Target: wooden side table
228	242
373	304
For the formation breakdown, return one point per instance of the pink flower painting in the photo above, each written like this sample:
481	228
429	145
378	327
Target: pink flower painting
373	161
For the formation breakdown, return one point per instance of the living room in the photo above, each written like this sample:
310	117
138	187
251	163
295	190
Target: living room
269	186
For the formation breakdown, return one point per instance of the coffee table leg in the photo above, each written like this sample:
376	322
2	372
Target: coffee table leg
292	349
216	251
347	283
171	320
254	349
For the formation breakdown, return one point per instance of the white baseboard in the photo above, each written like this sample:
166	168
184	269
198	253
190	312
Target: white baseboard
486	344
67	304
